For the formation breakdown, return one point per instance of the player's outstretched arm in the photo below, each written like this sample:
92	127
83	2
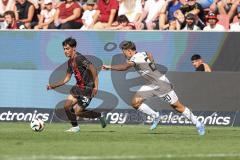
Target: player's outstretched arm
119	67
65	80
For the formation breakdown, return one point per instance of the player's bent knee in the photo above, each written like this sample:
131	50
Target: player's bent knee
135	105
136	102
68	104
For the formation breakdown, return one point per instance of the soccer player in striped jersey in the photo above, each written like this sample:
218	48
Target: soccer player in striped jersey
84	90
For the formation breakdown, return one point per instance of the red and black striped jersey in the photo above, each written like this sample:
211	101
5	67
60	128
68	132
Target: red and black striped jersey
79	66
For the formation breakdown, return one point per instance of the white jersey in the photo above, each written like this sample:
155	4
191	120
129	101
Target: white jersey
148	71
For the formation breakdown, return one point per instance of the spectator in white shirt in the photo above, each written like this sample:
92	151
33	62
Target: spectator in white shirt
150	16
88	14
212	23
46	15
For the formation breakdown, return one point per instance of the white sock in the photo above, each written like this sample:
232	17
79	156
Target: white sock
189	115
147	110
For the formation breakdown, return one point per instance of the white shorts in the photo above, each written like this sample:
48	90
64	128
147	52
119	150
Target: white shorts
171	97
148	91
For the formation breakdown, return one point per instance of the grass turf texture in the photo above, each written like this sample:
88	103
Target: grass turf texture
18	141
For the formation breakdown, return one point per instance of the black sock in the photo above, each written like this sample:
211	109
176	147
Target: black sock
71	116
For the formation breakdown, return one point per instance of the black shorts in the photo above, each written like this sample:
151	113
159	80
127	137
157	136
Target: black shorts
84	96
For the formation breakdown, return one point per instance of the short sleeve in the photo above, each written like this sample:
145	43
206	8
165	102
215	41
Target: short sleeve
133	59
115	4
81	60
86	62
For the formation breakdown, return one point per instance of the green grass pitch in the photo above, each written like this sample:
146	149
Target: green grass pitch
19	142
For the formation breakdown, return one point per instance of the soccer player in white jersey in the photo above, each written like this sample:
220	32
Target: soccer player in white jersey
158	85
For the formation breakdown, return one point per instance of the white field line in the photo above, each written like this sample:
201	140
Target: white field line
166	156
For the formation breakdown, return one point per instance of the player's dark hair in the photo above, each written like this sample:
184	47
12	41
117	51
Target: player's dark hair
195	57
127	45
11	13
70	41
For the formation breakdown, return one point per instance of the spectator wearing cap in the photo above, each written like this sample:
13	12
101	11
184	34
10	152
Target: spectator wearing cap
166	18
199	64
106	13
46	15
212	24
236	26
83	4
67	16
190	23
88	15
26	14
191	7
9	17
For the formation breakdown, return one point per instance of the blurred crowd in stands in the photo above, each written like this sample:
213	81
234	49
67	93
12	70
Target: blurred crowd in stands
207	15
